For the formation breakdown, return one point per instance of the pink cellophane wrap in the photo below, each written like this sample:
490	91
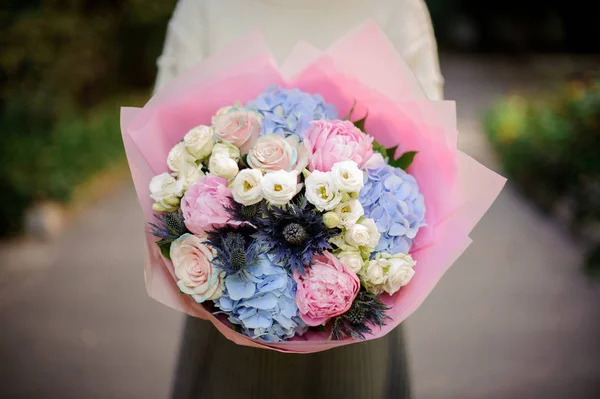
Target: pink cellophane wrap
362	67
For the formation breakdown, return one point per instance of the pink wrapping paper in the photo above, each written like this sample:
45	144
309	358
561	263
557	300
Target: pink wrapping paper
361	67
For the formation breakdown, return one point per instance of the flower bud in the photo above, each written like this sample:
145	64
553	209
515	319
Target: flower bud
331	220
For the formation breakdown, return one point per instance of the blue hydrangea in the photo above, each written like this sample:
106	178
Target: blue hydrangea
261	300
391	197
289	111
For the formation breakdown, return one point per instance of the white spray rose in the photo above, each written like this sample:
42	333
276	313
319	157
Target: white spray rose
321	192
246	187
352	259
222	165
179	158
374	276
227	149
346	176
199	141
165	190
349	212
280	187
388	273
363	234
189	173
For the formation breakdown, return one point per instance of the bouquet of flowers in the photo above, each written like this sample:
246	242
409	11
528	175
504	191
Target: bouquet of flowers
305	207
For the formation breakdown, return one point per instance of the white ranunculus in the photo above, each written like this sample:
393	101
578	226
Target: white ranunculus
178	157
199	141
222	165
165	190
352	259
363	234
349	212
189	173
280	187
321	192
346	176
246	187
399	273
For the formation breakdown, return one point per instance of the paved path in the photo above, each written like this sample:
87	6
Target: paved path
513	318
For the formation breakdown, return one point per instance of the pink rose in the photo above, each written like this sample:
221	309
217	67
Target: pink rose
203	205
272	153
334	141
196	275
238	126
326	290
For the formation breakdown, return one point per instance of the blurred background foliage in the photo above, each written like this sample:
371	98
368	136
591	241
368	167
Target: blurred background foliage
549	145
65	69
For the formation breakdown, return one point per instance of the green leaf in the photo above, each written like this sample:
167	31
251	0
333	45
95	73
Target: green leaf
165	249
404	161
361	123
379	148
347	117
390	153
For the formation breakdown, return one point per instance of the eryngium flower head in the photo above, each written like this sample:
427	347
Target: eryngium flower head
293	233
391	197
289	111
366	311
261	300
235	248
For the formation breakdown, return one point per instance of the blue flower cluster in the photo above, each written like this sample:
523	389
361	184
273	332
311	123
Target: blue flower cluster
391	197
289	111
261	299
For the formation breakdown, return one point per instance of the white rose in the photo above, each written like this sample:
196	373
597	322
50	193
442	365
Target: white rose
349	212
189	173
346	176
165	190
363	234
321	192
199	141
221	165
374	275
246	187
388	273
227	149
399	273
280	187
352	259
178	157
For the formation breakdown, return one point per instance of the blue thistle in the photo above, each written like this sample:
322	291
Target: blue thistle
235	248
245	213
366	310
169	226
293	234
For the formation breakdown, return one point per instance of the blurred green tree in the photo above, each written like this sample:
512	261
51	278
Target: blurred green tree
62	66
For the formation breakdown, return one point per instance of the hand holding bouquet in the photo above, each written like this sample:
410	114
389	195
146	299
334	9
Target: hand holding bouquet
302	209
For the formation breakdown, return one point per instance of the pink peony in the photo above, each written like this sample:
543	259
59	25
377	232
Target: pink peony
334	141
203	205
326	290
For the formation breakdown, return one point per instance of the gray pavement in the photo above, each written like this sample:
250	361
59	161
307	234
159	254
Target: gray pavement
513	318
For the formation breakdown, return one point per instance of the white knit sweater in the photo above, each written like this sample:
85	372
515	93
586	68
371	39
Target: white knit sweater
198	28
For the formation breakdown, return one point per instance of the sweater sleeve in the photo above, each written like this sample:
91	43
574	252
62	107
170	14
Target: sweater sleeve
410	30
186	41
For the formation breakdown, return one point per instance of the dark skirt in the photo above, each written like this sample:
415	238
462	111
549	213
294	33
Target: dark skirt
211	366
